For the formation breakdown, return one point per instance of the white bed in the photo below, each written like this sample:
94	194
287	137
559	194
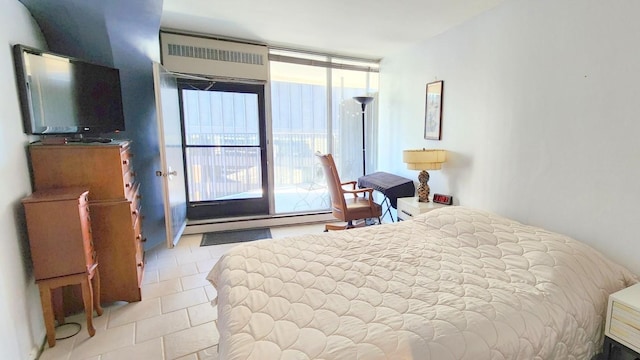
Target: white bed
454	283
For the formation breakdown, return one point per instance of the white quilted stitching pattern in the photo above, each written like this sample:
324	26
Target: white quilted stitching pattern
454	283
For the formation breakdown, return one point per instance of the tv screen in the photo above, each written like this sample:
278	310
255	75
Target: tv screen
62	95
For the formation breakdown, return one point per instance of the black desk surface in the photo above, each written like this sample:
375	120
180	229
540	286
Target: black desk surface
392	186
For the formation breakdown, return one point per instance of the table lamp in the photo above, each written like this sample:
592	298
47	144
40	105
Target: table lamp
424	160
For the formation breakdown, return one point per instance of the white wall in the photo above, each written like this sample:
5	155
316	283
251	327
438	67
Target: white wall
541	116
22	331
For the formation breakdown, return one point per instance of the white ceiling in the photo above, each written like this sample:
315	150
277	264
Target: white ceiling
367	29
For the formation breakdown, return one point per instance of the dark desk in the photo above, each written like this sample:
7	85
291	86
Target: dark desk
391	186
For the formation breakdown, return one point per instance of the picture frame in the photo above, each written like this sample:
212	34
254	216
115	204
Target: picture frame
433	111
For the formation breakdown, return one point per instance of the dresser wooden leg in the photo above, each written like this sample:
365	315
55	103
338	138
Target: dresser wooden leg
47	313
58	305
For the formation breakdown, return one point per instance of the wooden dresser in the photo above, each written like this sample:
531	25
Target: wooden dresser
105	169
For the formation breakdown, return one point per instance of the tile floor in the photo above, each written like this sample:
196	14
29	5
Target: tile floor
174	320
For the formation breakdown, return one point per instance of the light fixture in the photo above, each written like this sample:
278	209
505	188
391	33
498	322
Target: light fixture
363	100
424	160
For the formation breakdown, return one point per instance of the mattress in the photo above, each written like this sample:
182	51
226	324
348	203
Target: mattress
454	283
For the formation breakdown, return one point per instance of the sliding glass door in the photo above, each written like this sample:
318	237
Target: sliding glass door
224	131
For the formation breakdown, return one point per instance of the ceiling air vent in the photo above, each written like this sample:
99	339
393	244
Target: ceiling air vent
210	57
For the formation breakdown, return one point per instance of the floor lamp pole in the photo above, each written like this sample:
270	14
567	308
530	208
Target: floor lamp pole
363	100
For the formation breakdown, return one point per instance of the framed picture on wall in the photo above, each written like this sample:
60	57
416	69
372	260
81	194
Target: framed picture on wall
433	111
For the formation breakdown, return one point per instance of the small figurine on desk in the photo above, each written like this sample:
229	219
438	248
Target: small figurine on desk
423	188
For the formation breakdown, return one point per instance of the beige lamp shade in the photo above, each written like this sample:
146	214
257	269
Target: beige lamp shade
424	159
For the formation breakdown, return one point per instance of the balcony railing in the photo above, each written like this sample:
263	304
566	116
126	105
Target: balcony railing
218	173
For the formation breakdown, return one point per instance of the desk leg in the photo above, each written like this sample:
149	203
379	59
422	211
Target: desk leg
387	202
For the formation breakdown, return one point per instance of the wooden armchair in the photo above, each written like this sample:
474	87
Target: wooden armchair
347	204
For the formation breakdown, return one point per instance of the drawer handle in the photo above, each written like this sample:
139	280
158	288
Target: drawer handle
406	213
139	264
125	162
127	185
134	212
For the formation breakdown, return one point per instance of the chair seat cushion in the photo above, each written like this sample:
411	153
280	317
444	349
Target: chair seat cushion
359	208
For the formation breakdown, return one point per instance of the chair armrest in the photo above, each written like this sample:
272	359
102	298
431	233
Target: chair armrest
352	183
358	191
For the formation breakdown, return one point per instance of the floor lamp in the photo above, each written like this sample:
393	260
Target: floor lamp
363	100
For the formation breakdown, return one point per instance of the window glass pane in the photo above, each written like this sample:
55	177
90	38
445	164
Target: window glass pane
299	129
347	121
301	126
220	118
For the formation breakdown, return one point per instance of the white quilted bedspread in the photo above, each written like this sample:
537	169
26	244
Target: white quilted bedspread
454	283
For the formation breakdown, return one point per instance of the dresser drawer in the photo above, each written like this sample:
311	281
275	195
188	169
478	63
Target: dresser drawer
625	323
623	317
410	207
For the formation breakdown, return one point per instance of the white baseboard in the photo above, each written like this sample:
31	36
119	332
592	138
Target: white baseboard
199	227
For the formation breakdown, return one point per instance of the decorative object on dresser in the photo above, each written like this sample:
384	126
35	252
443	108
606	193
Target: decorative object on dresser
433	111
62	252
115	210
622	328
424	160
363	100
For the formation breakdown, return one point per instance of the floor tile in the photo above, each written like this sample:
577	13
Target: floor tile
212	294
206	265
150	277
194	281
198	255
103	342
189	357
202	313
177	271
132	312
190	240
169	261
209	354
183	300
161	289
99	322
150	350
61	351
191	340
158	326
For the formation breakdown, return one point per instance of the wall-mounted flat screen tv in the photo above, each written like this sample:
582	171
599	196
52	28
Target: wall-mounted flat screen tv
61	95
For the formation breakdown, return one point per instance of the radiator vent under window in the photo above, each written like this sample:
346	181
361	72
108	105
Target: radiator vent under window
215	54
199	55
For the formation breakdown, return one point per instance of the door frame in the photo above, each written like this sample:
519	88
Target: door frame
173	191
